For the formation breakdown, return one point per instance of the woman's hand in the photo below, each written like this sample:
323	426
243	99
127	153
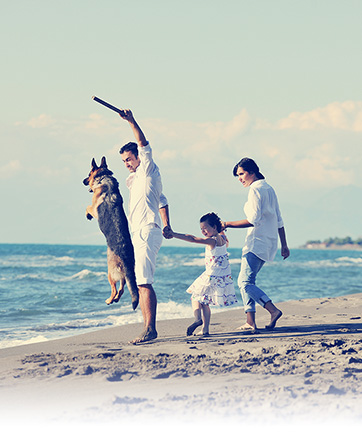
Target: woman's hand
285	252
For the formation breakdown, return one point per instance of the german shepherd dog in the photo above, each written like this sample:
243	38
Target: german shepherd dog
107	207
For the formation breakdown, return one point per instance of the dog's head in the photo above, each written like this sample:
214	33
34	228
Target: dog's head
96	172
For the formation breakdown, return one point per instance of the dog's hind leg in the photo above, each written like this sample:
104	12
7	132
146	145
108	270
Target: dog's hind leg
114	293
120	291
113	277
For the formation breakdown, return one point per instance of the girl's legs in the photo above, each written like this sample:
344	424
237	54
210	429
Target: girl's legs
206	313
196	307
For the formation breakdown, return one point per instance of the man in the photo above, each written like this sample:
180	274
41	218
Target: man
146	203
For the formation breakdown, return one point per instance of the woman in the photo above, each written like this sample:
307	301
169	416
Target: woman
265	224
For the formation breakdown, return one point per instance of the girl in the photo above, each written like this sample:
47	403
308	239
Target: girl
265	224
215	286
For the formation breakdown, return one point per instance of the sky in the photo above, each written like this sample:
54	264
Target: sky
209	82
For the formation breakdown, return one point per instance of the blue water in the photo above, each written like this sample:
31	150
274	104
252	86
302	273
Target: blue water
52	291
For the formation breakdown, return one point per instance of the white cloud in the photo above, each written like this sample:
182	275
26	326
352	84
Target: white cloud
42	121
96	122
167	155
290	151
196	143
337	115
324	166
60	174
226	131
10	169
196	159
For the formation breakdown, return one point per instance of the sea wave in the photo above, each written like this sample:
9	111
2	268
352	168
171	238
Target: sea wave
350	260
123	316
323	263
200	262
87	274
31	277
37	261
45	261
60	290
196	262
16	342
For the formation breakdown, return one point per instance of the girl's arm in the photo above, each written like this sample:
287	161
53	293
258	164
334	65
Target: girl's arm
191	238
223	235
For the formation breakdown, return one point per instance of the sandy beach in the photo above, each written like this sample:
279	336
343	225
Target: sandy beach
307	371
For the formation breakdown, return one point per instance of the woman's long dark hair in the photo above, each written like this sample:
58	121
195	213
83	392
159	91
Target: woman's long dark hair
250	166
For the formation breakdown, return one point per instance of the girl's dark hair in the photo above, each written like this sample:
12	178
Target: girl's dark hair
250	166
132	147
213	220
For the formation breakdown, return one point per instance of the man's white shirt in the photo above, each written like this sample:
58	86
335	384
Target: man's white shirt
145	187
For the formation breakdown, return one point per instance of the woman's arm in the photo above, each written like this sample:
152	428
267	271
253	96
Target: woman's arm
244	223
283	241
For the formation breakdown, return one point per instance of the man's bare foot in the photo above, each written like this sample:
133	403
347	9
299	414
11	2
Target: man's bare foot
193	327
147	335
274	318
246	327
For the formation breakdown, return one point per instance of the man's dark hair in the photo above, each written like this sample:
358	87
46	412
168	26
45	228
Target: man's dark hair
132	147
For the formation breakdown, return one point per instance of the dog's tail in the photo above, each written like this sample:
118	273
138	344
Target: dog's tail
129	275
132	288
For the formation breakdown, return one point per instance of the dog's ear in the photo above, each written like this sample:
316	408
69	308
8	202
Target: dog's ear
94	165
103	163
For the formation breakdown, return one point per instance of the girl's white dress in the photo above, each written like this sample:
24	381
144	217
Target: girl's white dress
215	286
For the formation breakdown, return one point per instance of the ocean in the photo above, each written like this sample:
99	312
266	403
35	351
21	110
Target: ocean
53	291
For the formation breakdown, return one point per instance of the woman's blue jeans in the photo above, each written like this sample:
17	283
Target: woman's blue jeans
250	293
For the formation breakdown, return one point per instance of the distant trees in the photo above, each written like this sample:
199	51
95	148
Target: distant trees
335	241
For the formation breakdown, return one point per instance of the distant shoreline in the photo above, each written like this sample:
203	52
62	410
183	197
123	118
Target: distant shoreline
320	246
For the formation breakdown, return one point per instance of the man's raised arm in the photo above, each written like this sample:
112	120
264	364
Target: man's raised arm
139	135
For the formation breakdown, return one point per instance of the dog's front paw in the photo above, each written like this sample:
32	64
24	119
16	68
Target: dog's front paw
89	216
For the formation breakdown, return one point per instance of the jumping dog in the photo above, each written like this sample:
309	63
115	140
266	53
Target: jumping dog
107	208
